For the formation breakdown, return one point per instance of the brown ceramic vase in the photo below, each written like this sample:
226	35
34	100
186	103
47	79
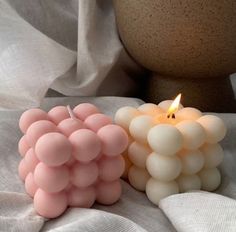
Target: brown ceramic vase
190	45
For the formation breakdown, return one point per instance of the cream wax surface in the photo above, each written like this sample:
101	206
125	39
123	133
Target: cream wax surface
171	153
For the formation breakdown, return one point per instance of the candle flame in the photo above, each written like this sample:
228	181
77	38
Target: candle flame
174	106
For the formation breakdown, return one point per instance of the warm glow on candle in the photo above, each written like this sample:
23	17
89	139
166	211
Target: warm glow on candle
174	106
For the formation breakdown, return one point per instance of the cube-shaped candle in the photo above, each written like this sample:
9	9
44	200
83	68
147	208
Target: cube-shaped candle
70	158
172	149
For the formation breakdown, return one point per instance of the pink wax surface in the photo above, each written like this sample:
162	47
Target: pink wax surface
69	125
70	160
108	192
23	146
37	129
82	111
31	160
84	175
82	197
51	179
86	145
31	116
111	168
23	170
50	205
30	186
55	144
114	139
97	121
58	114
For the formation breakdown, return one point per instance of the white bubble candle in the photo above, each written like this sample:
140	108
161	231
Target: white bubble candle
172	149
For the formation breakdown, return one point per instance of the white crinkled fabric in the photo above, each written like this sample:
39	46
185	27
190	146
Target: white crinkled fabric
188	212
73	47
69	45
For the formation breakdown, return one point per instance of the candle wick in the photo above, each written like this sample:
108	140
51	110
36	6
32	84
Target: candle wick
171	116
71	113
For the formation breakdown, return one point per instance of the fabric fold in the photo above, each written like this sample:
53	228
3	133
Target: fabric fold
17	213
41	48
29	61
200	211
78	219
99	48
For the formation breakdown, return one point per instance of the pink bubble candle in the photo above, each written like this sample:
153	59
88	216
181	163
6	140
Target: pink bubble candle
70	158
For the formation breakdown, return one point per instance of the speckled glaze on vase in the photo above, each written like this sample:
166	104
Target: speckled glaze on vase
182	39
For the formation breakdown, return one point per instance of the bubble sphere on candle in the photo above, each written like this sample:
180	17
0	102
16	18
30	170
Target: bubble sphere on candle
150	109
140	126
165	105
192	161
58	114
86	145
188	113
69	125
111	168
50	205
54	149
97	121
114	139
30	185
37	129
210	179
51	179
31	116
100	155
157	190
83	110
165	139
213	154
23	169
83	175
138	177
31	159
23	146
125	115
188	183
81	197
193	133
108	192
71	161
214	126
68	187
138	154
162	167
